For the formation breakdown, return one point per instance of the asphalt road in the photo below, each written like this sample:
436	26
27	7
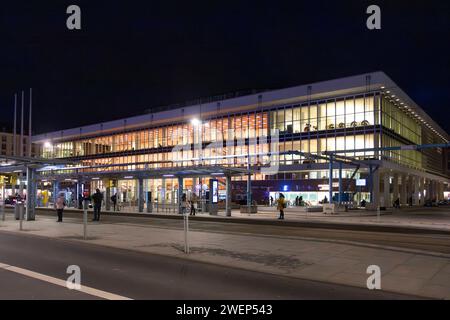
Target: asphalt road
145	276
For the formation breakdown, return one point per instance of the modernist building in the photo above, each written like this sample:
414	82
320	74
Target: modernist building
357	120
7	145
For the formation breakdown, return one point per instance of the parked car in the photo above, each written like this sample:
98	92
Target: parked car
443	202
430	203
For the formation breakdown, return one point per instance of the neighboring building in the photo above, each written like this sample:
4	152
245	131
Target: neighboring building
7	145
356	114
8	181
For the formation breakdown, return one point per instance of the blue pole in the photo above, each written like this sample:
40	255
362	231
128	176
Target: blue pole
340	183
330	180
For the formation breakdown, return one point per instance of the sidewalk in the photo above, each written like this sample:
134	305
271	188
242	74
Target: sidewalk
402	271
414	219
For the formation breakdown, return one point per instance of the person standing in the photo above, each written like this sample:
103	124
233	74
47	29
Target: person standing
97	198
60	203
114	200
192	208
183	204
281	205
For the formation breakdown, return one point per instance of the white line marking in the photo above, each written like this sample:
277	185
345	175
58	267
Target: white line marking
62	283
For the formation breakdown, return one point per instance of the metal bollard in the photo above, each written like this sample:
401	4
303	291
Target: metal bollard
85	206
186	231
3	211
20	216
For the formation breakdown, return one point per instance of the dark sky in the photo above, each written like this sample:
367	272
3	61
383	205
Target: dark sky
134	55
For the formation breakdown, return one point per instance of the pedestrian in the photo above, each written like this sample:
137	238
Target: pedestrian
363	203
60	203
80	201
183	204
97	198
192	208
397	203
271	201
114	200
281	205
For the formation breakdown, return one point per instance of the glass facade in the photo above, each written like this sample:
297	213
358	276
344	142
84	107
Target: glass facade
355	124
339	124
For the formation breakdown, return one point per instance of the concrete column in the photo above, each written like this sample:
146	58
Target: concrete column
330	180
395	190
31	195
440	191
386	190
249	189
21	184
55	190
77	191
416	191
228	198
428	189
375	200
410	188
403	193
108	198
180	193
421	190
141	195
433	190
148	197
163	193
340	184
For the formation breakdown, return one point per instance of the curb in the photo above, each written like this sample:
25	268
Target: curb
307	224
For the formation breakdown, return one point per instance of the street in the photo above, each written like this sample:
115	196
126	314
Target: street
138	275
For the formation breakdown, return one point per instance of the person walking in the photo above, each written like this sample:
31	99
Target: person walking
97	198
114	200
60	203
281	205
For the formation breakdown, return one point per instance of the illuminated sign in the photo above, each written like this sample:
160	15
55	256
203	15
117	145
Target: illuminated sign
361	182
326	187
215	191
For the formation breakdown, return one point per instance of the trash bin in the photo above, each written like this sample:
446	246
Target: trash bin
17	209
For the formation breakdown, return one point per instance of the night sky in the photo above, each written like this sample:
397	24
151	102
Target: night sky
134	55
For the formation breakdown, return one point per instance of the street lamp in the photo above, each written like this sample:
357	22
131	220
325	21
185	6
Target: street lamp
195	122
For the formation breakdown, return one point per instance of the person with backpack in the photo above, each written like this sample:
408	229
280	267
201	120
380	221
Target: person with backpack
60	203
281	205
